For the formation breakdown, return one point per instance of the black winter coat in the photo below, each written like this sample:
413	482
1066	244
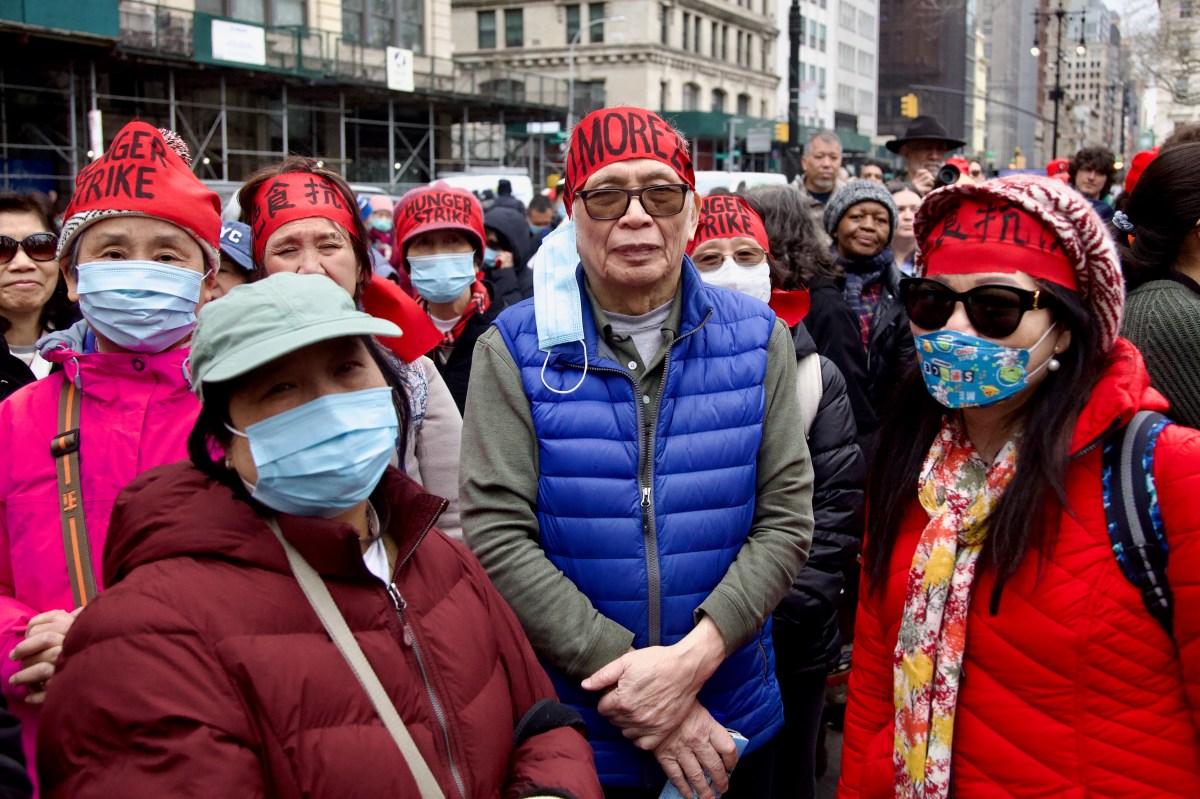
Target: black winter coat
455	368
806	622
511	285
13	372
835	333
14	781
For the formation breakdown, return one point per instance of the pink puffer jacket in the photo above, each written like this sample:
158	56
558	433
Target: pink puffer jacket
136	413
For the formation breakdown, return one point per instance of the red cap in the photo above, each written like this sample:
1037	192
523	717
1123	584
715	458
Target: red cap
292	196
995	236
140	174
1137	166
437	207
619	134
724	216
961	163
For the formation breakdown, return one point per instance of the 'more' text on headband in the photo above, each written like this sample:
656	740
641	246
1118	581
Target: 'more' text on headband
620	134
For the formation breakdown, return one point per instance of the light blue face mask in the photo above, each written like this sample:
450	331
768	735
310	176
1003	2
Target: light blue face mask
141	306
381	223
442	278
325	456
556	305
489	257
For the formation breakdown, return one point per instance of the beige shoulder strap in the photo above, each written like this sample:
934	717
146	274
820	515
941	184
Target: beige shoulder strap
321	601
809	389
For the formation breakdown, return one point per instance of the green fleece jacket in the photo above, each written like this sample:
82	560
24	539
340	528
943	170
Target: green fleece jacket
498	494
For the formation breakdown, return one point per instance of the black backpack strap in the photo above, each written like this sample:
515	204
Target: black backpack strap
1135	527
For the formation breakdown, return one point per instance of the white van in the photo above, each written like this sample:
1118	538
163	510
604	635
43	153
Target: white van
707	180
522	186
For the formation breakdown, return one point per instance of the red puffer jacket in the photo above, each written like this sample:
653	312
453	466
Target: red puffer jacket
1072	689
203	670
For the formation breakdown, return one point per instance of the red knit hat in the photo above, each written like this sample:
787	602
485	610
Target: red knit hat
1138	165
1059	169
724	216
1024	223
144	172
297	195
619	134
437	207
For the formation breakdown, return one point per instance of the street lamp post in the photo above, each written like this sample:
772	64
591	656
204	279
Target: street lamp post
571	65
1060	15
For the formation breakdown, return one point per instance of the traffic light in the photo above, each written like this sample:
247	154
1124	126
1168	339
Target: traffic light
781	131
908	106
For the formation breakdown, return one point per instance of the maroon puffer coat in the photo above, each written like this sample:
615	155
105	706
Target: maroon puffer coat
203	670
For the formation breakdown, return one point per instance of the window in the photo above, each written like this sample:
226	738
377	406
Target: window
749	51
845	57
821	39
696	33
691	97
741	47
687	31
381	23
572	22
866	102
845	97
486	22
743	104
514	27
846	15
866	24
1185	9
724	42
664	26
412	25
263	12
716	40
718	100
866	63
812	33
595	14
821	81
664	95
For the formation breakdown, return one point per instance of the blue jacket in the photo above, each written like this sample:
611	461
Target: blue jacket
647	532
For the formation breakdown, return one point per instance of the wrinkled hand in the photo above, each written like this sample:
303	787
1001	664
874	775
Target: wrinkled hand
40	650
924	181
652	689
698	746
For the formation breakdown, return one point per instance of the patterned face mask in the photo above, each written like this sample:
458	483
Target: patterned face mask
963	371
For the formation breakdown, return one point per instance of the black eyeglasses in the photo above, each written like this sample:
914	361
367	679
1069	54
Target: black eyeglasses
605	204
995	311
746	257
39	247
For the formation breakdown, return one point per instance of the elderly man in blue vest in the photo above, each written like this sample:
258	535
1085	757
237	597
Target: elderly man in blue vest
635	478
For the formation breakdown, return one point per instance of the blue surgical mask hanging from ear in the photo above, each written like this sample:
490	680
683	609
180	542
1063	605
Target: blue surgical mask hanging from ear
963	371
325	456
557	309
442	278
141	306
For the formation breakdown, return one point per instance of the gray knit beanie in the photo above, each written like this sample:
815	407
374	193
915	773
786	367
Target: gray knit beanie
853	193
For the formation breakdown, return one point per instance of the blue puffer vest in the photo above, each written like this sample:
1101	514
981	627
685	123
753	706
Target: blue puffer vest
647	539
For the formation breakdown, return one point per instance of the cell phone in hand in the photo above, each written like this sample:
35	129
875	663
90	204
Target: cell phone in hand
669	790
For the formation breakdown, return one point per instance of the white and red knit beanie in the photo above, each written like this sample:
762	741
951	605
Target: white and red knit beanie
1024	223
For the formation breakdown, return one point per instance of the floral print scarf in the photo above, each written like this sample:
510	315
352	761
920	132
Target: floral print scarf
959	492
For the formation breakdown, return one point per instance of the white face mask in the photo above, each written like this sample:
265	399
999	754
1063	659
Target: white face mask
752	280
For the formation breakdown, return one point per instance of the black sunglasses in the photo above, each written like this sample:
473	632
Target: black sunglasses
39	247
606	204
995	311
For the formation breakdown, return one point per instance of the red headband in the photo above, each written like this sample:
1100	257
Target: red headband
995	237
139	173
437	207
292	196
618	134
725	216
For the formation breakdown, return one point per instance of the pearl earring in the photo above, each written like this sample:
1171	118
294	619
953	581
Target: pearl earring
1053	365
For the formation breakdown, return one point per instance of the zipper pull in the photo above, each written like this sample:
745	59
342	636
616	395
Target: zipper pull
646	497
399	603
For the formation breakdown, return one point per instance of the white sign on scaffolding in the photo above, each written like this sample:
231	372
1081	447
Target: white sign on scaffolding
400	69
239	43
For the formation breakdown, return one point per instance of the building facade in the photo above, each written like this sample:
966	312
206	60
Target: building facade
246	82
710	64
839	64
1172	59
1012	105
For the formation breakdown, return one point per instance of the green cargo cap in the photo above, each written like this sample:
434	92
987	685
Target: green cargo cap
258	322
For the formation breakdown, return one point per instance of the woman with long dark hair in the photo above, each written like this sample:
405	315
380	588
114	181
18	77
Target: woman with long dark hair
1000	649
1159	238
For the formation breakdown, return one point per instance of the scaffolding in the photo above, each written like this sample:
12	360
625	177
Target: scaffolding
317	96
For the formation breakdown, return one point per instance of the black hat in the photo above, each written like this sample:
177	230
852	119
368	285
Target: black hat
924	127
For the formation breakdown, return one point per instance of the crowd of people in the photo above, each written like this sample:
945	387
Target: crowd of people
444	497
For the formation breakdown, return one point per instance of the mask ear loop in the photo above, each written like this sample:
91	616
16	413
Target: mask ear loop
581	379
